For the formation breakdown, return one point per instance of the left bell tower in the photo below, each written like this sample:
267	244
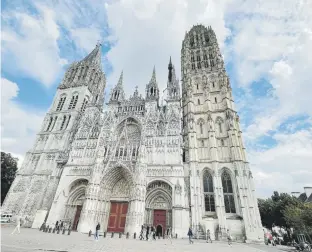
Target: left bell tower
34	187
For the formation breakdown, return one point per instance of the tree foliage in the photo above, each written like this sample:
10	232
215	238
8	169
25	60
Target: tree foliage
8	172
284	210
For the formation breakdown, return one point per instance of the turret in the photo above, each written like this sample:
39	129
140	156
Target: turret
173	88
118	94
152	91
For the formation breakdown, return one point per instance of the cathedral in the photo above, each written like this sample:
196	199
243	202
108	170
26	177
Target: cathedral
175	165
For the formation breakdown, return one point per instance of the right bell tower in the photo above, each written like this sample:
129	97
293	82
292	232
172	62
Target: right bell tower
222	193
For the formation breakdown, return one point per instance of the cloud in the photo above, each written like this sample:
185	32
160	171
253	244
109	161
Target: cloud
29	45
285	167
19	125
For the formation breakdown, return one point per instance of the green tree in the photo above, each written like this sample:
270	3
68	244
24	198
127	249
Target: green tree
8	172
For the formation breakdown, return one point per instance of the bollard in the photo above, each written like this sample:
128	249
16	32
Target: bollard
120	235
63	231
134	235
112	235
53	230
176	236
90	233
50	230
104	235
69	231
127	235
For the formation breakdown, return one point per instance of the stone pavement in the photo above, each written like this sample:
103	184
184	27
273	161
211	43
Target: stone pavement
34	240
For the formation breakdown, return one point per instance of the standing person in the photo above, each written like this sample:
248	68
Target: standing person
154	234
56	225
169	234
97	228
141	233
229	238
18	224
147	232
208	236
190	234
62	225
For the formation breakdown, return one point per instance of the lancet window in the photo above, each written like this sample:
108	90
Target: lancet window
61	103
208	192
63	122
73	102
228	193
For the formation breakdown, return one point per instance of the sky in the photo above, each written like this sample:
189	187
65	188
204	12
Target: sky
265	44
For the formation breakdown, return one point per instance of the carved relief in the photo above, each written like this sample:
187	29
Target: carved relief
178	188
121	189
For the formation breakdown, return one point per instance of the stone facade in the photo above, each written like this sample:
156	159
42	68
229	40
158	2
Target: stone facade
138	153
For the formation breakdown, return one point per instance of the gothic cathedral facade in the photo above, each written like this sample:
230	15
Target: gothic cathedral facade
178	165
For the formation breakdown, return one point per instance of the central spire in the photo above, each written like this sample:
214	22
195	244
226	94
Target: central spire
95	56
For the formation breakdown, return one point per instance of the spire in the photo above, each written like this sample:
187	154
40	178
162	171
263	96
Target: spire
170	67
119	84
153	79
95	56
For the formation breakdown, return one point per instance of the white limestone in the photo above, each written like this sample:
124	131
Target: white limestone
139	152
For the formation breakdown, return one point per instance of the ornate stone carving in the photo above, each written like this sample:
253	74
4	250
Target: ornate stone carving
178	188
121	189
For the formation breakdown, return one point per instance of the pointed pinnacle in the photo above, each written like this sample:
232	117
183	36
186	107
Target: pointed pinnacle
120	79
94	56
153	79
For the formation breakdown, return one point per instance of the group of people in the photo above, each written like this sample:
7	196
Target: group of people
208	236
150	232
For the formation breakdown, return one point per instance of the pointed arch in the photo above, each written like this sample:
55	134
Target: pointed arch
208	190
228	192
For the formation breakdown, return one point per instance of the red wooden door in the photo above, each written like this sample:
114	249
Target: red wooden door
117	217
160	220
76	219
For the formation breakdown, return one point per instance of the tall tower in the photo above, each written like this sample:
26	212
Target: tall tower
221	186
36	182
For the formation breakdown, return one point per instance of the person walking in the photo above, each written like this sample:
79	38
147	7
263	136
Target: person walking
97	229
169	234
190	234
141	233
229	238
18	224
208	236
147	232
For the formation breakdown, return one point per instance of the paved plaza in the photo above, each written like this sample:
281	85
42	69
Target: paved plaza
34	240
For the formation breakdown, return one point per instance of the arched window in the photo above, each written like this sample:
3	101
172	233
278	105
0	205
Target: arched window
73	102
201	128
67	121
61	103
213	84
208	192
216	100
220	127
63	122
222	142
54	121
84	104
228	193
50	123
198	101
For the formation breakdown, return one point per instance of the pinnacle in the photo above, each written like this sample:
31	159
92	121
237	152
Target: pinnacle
95	56
120	79
153	79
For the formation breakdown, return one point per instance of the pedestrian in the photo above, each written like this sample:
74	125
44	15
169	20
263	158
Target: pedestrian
190	234
56	225
147	232
62	225
141	233
229	237
97	228
18	224
169	234
208	236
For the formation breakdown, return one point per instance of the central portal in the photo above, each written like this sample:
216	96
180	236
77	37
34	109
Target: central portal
160	222
117	217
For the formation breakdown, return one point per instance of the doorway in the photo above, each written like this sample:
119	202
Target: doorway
160	221
76	219
117	217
